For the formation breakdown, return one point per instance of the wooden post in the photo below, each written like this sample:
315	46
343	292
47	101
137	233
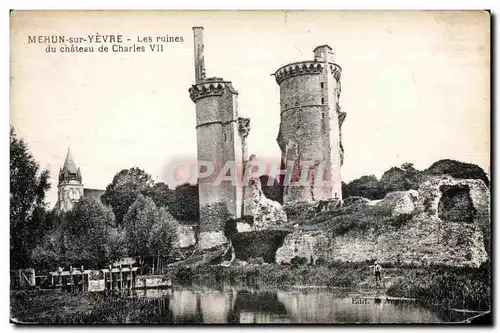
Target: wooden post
129	280
88	280
59	271
121	277
105	283
32	277
20	277
82	278
71	284
110	277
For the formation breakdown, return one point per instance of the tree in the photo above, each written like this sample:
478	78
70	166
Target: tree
117	243
90	225
28	186
92	233
163	236
50	251
185	204
400	179
138	223
87	235
457	169
161	194
365	186
124	189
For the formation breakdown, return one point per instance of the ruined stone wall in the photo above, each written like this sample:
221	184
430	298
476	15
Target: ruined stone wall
331	131
423	239
266	214
186	236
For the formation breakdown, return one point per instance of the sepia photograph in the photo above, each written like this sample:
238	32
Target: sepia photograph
179	167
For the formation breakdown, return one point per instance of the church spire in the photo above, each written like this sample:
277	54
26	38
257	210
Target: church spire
69	170
69	164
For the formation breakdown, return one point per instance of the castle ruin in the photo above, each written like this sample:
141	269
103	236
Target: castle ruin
309	137
221	137
310	127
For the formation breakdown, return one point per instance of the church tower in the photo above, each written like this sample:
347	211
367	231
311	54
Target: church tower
70	188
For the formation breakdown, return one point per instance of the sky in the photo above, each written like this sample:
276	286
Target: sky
415	86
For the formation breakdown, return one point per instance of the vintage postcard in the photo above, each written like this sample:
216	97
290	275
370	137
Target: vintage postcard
257	167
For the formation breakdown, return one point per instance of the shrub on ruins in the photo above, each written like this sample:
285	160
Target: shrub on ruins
124	190
457	169
28	187
402	178
406	177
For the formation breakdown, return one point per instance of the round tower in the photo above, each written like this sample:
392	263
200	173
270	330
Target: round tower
311	119
221	141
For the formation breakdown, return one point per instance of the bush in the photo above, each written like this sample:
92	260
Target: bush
458	170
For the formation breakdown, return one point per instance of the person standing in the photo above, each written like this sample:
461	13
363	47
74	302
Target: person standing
377	269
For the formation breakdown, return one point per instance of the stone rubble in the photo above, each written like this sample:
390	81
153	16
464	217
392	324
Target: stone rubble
424	239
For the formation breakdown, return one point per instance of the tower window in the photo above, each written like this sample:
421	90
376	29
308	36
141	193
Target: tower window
322	100
286	106
296	103
322	84
225	137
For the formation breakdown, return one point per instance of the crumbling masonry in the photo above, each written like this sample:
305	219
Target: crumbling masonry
221	137
310	128
310	131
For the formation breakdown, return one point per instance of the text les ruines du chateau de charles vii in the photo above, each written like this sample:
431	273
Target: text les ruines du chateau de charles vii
103	43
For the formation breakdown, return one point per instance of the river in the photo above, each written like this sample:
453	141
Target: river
295	305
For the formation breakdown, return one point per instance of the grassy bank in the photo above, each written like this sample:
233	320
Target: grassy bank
53	307
448	287
461	288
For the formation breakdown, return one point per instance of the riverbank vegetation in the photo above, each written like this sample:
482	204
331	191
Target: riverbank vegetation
452	288
460	288
57	307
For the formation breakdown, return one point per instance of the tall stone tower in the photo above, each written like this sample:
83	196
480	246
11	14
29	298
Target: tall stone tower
70	188
221	137
310	127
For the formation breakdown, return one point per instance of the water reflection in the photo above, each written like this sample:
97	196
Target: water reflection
244	305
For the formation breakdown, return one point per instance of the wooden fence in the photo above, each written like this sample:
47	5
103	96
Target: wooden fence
111	278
